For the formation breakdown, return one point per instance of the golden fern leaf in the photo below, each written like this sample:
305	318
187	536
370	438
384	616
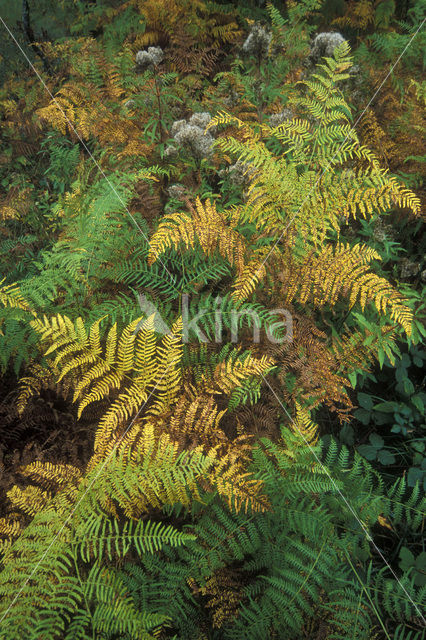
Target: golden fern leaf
153	475
132	364
51	475
252	272
207	225
40	378
239	488
10	296
229	374
30	500
344	270
64	109
168	374
158	374
370	287
373	136
10	527
303	426
196	421
77	350
8	212
358	15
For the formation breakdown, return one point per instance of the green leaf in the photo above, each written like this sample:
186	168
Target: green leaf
363	416
418	403
406	559
408	387
405	360
368	451
381	356
352	379
386	457
381	418
421	561
420	579
347	435
386	407
414	475
365	401
376	440
401	374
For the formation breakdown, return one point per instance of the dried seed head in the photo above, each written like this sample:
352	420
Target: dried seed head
257	42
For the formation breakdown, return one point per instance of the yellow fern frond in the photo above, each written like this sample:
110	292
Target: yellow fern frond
303	426
253	271
10	296
229	374
51	475
168	375
154	475
8	213
240	489
10	528
371	288
343	270
30	500
208	225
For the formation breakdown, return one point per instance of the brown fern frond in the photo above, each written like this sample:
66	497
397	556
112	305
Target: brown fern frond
40	378
315	370
373	136
223	591
147	200
186	56
358	15
196	421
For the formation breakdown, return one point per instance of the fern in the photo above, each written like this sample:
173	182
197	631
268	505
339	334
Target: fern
10	296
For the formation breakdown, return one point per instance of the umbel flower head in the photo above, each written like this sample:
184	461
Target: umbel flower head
324	44
257	42
240	173
276	119
150	58
191	135
176	190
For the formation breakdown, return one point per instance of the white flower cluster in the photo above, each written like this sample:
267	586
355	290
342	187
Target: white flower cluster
149	59
232	99
257	42
409	269
130	104
241	175
324	44
383	231
176	191
191	136
278	118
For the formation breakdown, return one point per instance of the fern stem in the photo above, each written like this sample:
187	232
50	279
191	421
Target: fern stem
160	108
83	591
368	596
